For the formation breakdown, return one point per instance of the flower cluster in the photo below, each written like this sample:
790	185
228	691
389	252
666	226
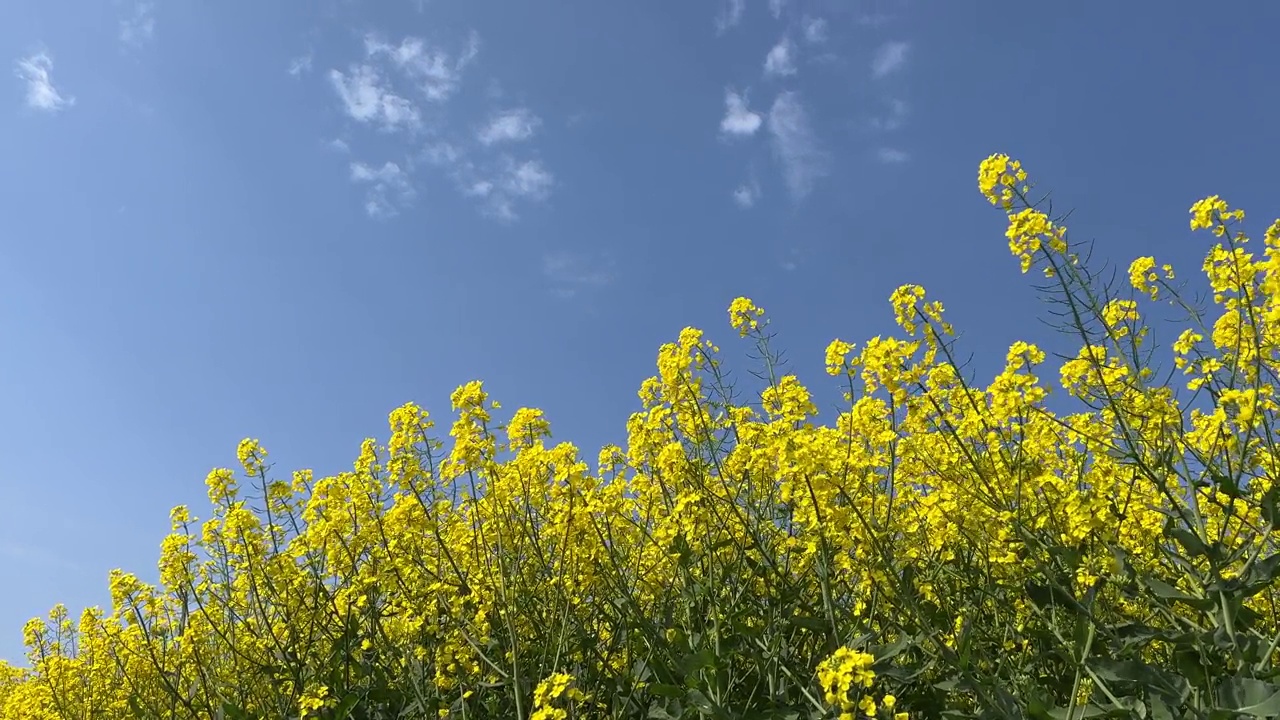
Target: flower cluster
927	549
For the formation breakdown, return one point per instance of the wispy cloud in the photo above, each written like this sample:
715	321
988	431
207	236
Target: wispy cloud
339	145
889	58
394	88
874	19
368	98
730	15
527	180
892	156
478	188
437	74
893	118
509	182
302	64
747	194
37	72
738	120
388	187
509	126
781	60
571	273
814	29
500	181
442	154
139	28
791	261
776	6
795	145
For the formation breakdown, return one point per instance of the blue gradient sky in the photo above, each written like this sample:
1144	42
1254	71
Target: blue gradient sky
283	219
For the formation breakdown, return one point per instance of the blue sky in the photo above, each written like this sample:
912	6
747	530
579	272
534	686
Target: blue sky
283	219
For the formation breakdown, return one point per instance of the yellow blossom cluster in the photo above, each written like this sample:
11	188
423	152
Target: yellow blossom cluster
740	554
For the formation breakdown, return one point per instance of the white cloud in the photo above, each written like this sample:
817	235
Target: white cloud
37	72
889	58
301	64
792	260
747	194
794	144
892	156
730	15
738	119
437	75
375	91
509	126
471	51
781	60
571	273
478	188
501	207
528	179
775	7
339	145
138	29
893	119
502	186
874	20
442	154
388	186
815	30
367	98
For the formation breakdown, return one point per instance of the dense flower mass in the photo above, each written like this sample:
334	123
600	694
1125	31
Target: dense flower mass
936	548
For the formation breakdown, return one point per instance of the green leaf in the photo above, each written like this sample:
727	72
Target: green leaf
1088	711
1227	485
1189	660
344	708
1269	507
1169	686
640	671
1261	575
692	663
671	691
810	623
1080	637
904	673
948	685
884	655
1250	697
1268	708
1133	634
230	711
1164	590
770	714
1053	595
1037	708
1189	541
657	712
703	705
